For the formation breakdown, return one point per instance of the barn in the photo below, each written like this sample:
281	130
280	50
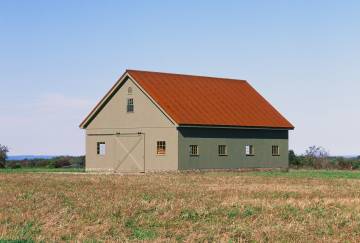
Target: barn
152	121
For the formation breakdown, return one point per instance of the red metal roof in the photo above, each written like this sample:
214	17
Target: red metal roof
198	100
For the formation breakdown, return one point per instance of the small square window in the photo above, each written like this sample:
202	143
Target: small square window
100	148
160	148
249	150
130	105
222	150
194	150
275	150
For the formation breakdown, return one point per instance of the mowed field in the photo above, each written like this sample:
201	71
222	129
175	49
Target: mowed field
299	206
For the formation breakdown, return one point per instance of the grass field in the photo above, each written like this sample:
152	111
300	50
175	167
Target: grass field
300	206
40	169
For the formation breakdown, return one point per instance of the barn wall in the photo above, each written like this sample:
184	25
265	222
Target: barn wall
146	119
153	162
113	115
208	140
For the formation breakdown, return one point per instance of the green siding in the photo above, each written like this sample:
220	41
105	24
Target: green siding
208	140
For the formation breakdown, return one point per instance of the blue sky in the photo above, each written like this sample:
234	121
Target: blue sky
58	58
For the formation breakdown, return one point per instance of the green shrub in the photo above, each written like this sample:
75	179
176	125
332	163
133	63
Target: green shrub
293	159
355	164
15	166
344	164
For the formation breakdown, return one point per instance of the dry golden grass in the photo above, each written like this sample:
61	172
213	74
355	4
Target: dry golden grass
216	206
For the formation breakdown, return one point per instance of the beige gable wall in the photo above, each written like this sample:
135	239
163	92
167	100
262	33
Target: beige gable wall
147	118
114	114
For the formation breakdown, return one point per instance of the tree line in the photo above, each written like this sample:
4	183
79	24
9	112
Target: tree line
56	162
318	158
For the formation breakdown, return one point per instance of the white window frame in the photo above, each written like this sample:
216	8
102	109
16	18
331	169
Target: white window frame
275	150
224	151
249	150
130	105
101	148
161	148
194	150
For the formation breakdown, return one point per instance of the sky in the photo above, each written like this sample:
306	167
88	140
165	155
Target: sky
58	58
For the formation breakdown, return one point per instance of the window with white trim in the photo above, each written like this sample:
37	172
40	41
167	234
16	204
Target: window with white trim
194	150
100	148
275	150
130	105
130	90
222	150
160	147
249	150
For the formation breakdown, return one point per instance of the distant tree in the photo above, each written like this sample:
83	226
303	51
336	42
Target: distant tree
317	157
344	164
3	155
293	159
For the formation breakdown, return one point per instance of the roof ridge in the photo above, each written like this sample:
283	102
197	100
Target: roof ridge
186	75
